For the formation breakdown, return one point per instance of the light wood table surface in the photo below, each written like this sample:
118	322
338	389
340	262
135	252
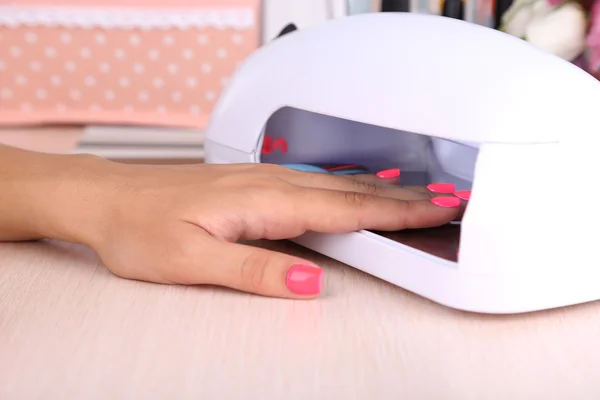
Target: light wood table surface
71	330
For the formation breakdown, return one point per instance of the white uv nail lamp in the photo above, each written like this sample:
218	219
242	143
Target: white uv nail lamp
444	101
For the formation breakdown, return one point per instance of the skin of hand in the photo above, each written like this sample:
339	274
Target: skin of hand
181	224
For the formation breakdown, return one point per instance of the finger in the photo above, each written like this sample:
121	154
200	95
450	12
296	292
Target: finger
259	271
384	177
378	180
326	180
373	185
444	189
367	184
270	169
448	189
376	186
325	210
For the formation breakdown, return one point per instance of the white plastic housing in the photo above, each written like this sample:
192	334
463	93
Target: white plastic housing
461	102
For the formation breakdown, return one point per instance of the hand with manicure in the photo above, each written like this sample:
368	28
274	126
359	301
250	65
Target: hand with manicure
185	224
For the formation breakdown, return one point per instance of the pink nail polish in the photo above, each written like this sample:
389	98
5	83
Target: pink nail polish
389	173
463	194
304	279
441	188
446	201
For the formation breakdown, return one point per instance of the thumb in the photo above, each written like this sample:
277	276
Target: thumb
261	271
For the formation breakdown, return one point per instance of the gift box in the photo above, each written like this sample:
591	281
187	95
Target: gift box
127	62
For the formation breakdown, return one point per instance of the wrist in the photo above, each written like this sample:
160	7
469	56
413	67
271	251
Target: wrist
77	200
51	196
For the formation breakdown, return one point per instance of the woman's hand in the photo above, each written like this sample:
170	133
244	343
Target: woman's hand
181	224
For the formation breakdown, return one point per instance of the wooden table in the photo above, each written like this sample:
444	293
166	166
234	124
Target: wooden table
71	330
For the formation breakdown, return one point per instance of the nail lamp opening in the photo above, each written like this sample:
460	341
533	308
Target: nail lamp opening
445	101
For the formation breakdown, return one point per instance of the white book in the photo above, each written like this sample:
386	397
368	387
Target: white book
142	135
121	142
133	152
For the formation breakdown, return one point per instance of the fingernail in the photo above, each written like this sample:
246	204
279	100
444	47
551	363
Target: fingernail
463	194
304	279
446	201
441	188
389	173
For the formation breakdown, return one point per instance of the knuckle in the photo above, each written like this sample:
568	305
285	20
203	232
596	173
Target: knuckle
356	199
253	272
406	208
362	186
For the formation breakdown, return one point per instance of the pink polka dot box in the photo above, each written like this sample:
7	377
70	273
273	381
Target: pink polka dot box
140	62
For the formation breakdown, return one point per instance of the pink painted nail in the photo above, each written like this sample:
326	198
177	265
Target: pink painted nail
389	173
441	188
463	194
304	279
446	201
